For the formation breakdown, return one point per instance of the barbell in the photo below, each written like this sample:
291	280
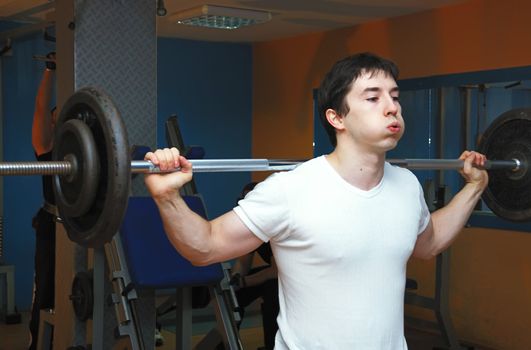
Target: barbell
92	167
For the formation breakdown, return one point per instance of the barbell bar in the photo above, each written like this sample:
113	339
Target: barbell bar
65	168
92	166
233	165
455	164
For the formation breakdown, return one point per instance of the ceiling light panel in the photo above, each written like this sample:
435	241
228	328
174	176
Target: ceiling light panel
219	17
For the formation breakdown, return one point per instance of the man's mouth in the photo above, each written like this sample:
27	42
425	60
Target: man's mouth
394	128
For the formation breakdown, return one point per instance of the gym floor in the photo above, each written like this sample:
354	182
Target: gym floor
15	337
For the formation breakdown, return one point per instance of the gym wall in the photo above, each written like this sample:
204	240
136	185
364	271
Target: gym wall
208	86
490	283
205	84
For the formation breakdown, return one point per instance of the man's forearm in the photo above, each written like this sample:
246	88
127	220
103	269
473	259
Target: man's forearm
450	220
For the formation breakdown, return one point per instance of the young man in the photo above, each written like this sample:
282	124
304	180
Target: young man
43	127
342	226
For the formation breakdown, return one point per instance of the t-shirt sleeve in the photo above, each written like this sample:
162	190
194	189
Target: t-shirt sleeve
425	215
265	209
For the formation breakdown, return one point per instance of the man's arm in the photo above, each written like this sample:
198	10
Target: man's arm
43	125
200	241
447	222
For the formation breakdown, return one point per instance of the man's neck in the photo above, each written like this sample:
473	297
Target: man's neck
360	169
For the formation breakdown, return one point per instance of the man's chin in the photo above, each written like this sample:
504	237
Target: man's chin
390	146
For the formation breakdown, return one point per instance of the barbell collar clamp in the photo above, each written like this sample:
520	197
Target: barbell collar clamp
518	165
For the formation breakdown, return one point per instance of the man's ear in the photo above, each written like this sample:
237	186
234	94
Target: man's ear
334	119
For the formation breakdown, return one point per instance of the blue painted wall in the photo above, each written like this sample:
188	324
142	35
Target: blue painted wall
208	85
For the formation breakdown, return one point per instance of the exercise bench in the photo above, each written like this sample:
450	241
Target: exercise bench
154	263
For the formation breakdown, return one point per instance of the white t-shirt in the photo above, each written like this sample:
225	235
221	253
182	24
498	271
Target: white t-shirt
341	254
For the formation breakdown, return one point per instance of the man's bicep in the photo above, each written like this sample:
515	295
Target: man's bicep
233	238
423	246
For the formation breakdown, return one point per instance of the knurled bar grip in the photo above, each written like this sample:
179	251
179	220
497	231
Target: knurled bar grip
236	165
36	168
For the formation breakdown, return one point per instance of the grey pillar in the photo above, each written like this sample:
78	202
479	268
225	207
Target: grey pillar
112	45
116	51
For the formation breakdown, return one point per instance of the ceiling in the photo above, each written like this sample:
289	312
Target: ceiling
289	17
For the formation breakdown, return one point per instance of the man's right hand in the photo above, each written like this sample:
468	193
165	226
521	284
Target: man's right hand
169	183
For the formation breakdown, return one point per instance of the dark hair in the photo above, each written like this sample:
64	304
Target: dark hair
338	81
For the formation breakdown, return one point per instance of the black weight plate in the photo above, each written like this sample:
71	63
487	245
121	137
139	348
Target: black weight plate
75	193
82	296
101	222
509	137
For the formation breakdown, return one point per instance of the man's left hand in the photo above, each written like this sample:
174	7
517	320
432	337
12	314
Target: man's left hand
472	170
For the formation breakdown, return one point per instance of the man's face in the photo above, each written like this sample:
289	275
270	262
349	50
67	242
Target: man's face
374	121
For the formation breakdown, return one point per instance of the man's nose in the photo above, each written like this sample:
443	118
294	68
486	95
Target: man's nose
391	107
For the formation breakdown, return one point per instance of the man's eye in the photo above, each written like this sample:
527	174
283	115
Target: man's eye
396	98
372	99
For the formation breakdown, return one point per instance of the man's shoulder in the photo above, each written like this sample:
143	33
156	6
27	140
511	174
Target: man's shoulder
310	165
399	174
284	181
